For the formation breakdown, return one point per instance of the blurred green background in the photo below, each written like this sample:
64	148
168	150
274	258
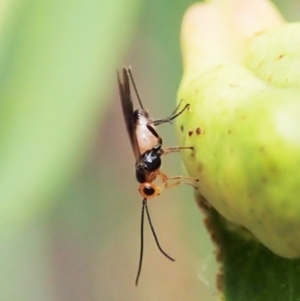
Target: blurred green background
69	206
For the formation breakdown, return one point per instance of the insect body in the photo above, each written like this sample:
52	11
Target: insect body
147	149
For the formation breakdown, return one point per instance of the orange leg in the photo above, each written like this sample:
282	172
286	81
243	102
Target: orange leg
181	179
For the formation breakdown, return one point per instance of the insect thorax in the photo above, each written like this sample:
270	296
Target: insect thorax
149	162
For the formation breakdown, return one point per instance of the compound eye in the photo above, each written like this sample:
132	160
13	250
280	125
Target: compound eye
149	190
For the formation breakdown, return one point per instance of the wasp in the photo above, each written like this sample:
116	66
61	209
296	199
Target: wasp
147	147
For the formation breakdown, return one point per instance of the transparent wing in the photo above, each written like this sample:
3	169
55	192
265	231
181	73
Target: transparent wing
127	108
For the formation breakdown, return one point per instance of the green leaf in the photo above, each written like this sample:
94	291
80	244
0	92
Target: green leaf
250	270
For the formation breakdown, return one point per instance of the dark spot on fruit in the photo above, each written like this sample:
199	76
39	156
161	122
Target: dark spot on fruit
273	170
200	167
219	256
270	79
262	149
243	117
264	179
198	131
204	207
281	56
181	128
190	133
213	237
229	131
219	282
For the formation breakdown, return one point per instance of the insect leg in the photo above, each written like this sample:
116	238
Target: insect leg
154	133
173	149
170	118
177	108
181	180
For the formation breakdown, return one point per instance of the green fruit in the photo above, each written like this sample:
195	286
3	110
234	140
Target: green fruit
244	123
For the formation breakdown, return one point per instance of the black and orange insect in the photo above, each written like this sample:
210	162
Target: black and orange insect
147	149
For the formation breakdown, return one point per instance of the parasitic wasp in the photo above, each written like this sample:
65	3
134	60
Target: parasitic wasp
147	148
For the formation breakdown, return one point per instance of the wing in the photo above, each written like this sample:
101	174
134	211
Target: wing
127	108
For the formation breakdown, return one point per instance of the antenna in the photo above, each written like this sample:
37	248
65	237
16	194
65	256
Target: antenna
145	207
